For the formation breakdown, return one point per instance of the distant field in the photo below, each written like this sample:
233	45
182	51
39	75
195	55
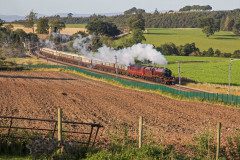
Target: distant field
70	28
224	41
215	71
76	25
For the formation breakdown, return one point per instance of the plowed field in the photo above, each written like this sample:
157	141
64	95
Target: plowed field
39	94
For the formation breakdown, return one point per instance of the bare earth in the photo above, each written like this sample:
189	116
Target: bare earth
39	94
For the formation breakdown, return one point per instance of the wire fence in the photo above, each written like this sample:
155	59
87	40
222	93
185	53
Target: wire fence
224	98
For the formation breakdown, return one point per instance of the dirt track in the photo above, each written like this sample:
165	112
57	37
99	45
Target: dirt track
39	94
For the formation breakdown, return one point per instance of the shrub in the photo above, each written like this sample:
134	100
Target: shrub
233	147
236	54
188	49
204	146
168	49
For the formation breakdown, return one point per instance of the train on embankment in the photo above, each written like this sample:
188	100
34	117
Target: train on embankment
156	74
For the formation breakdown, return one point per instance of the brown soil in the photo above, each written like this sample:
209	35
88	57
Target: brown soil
39	94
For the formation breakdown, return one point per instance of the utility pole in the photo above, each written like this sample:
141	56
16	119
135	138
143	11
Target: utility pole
179	73
116	66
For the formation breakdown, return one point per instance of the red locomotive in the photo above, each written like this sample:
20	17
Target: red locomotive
161	75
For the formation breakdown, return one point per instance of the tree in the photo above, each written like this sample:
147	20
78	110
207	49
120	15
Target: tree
156	11
70	15
42	26
134	10
1	22
9	26
236	27
188	49
30	20
168	49
210	52
236	54
208	30
196	8
137	36
102	28
56	24
136	22
209	26
228	24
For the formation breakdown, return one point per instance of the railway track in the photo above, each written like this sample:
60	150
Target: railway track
178	87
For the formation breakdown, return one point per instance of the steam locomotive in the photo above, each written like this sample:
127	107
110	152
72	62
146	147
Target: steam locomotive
160	75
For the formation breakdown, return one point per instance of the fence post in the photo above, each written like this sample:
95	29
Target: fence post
60	126
140	131
218	140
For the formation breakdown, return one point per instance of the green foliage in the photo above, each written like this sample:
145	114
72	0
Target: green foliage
208	30
75	35
196	8
136	21
162	20
210	53
204	146
99	27
13	146
56	24
228	24
96	43
236	27
168	49
12	42
1	22
236	54
137	36
209	26
30	20
188	49
42	26
233	147
134	10
70	15
151	152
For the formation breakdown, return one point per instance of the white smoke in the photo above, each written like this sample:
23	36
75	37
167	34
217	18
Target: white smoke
81	44
49	44
124	56
63	37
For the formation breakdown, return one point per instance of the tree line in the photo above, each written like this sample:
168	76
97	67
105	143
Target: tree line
13	43
190	49
196	8
209	21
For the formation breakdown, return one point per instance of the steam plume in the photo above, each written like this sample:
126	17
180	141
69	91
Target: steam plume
125	56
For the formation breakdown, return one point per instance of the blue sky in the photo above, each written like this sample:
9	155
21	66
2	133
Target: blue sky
22	7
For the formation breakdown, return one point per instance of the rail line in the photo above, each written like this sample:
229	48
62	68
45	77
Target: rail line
178	87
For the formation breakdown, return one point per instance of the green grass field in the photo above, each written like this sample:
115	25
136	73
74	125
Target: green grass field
214	71
224	41
76	25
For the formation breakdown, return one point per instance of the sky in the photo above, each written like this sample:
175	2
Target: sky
51	7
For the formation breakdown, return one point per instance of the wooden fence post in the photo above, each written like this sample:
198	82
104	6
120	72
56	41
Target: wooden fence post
218	140
60	126
140	131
